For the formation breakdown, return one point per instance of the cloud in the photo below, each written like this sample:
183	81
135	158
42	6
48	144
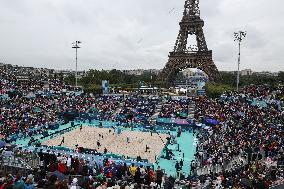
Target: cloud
40	33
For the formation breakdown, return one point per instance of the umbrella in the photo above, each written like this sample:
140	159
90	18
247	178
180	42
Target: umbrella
2	143
59	175
181	121
212	121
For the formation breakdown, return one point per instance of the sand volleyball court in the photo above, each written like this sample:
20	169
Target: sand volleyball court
128	143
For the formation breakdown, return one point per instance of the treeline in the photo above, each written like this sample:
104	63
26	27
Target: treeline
93	80
230	79
226	81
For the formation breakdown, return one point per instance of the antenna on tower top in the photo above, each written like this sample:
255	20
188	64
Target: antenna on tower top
192	8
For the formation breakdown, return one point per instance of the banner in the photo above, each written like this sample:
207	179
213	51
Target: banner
105	86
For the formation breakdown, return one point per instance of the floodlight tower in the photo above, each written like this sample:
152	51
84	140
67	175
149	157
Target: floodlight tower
239	36
76	46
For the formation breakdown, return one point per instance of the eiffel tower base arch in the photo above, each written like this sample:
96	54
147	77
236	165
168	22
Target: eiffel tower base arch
179	61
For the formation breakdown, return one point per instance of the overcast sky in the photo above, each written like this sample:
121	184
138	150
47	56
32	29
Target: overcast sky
131	34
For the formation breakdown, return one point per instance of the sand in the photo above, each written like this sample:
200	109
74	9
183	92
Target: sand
114	143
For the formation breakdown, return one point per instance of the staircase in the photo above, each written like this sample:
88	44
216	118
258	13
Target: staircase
158	110
14	165
191	111
236	161
118	109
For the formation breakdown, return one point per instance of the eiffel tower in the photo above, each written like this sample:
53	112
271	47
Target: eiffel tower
183	57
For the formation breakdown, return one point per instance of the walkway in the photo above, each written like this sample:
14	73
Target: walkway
187	148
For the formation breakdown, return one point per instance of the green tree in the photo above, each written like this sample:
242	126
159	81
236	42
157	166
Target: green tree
281	77
70	80
215	90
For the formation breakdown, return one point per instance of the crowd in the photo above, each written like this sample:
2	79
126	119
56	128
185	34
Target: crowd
59	171
174	109
28	104
251	126
137	109
106	106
